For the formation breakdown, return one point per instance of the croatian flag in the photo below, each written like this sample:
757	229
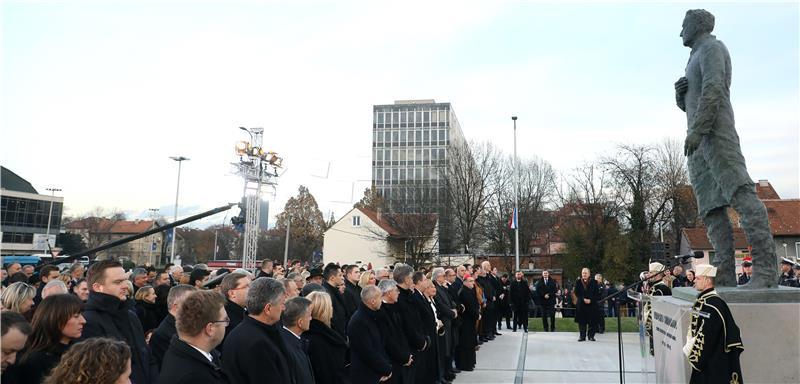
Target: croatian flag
512	221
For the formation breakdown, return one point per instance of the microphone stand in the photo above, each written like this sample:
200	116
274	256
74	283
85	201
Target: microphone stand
624	290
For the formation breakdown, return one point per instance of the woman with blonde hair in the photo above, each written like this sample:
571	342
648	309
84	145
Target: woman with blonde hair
18	297
326	348
98	360
146	308
367	278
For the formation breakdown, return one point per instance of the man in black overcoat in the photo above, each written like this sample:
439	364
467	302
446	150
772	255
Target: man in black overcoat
191	357
446	312
429	369
333	278
520	297
259	331
468	336
369	362
547	290
162	336
352	292
391	325
417	339
296	319
587	295
488	330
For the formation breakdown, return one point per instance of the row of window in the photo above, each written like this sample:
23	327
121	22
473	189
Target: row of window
18	237
425	155
410	136
411	117
383	176
17	211
398	196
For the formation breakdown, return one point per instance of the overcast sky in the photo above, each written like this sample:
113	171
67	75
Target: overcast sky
96	96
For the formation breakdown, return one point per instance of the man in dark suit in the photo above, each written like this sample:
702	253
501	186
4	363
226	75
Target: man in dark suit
391	325
488	330
296	319
191	357
367	345
587	295
546	289
259	332
411	322
333	278
162	336
234	288
352	292
446	312
520	297
429	369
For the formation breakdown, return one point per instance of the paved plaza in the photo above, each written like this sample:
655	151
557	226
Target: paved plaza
557	358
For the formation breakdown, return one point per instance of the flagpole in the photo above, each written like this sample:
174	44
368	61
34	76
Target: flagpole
516	191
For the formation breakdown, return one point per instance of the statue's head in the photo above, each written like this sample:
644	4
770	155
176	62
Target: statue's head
696	23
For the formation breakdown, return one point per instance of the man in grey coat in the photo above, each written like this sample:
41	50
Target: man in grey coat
716	165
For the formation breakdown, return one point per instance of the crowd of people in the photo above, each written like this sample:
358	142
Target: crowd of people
293	324
290	324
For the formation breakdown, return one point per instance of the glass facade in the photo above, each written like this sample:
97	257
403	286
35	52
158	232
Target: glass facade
410	141
22	217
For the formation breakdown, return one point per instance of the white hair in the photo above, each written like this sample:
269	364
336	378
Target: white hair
54	287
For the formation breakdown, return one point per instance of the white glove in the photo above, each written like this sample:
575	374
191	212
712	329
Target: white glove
687	348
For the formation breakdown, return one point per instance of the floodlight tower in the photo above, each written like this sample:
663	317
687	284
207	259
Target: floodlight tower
258	168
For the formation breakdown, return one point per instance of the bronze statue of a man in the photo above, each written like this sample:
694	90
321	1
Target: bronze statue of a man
716	165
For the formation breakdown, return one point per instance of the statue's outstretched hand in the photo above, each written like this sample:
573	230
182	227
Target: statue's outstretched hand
691	144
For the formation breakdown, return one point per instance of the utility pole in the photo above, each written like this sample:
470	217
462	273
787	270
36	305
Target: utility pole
286	246
515	217
180	160
50	215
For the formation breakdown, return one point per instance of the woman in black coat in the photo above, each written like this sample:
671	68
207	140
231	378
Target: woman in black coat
468	336
327	350
146	308
56	323
587	295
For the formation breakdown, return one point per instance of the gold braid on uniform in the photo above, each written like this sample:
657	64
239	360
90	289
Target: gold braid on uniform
696	328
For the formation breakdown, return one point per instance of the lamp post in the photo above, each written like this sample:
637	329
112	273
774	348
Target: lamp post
153	215
50	215
179	159
515	216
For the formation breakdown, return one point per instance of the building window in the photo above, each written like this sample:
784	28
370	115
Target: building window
356	221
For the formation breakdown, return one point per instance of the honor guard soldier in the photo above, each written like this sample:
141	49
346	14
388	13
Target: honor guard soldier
713	343
747	271
657	288
788	277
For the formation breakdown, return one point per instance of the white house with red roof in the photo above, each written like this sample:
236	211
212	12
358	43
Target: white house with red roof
365	237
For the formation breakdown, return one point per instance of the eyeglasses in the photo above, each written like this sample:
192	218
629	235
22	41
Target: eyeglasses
226	321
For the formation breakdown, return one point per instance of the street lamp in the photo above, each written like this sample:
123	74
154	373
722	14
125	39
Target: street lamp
179	159
153	215
515	214
50	215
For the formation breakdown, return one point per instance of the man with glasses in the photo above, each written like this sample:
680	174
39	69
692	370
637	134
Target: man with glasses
234	288
191	357
160	340
259	331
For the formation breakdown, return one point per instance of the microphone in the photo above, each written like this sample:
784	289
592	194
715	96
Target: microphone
693	255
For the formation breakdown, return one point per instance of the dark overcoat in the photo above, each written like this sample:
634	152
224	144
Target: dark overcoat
328	352
369	361
254	352
185	365
587	313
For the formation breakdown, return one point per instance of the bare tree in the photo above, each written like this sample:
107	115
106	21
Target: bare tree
470	187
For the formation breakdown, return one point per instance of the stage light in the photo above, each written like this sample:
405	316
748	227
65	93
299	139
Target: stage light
242	148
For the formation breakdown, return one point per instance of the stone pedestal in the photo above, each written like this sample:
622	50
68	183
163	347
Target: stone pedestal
769	321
